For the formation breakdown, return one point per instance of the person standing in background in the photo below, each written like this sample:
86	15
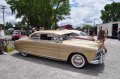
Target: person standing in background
91	32
2	41
101	37
106	33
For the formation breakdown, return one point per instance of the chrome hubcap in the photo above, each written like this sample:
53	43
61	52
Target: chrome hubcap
78	60
24	53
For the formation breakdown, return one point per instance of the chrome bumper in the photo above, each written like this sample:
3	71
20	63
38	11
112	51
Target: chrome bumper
100	56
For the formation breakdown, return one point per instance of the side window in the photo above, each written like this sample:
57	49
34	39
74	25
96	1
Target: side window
35	36
43	37
50	37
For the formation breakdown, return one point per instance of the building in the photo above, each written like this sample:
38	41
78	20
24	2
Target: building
69	27
112	28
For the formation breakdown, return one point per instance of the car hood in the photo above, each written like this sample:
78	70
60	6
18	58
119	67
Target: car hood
81	43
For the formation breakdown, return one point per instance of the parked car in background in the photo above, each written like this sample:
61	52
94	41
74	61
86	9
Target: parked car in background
17	34
60	45
81	35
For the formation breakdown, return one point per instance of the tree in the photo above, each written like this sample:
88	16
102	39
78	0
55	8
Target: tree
111	12
2	25
20	25
87	26
39	13
8	25
60	10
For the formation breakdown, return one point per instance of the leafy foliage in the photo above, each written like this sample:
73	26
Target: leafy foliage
39	13
8	25
2	25
111	12
87	26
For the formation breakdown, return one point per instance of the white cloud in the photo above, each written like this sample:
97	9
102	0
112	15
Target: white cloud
85	11
82	12
9	17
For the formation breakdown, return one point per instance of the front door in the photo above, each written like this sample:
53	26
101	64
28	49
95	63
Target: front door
114	30
43	45
48	46
49	49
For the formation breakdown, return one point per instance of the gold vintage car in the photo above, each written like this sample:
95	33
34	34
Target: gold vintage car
60	45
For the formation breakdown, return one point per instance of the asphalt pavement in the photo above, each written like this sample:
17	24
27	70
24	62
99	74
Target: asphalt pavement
15	66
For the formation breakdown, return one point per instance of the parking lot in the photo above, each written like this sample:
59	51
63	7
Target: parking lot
14	66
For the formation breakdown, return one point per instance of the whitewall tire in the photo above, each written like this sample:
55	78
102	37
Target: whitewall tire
78	60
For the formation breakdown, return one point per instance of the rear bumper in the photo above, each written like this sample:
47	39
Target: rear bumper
100	57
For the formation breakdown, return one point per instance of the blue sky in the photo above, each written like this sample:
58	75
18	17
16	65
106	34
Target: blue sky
82	12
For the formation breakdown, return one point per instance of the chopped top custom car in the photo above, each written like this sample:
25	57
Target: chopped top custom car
60	45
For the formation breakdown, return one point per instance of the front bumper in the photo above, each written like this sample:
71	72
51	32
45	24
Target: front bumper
100	56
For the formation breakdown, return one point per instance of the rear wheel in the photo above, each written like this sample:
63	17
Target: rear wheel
24	54
78	60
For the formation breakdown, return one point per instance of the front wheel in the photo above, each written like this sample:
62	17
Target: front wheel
78	60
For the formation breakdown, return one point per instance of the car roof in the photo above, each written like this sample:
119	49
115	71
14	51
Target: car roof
58	32
75	31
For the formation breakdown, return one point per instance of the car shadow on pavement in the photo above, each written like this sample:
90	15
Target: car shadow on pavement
90	69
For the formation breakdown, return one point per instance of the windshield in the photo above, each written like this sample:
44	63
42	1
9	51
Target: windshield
83	34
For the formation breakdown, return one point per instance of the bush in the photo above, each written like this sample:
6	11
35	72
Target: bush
8	32
10	46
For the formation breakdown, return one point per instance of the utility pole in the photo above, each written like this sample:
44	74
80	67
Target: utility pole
94	22
3	9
